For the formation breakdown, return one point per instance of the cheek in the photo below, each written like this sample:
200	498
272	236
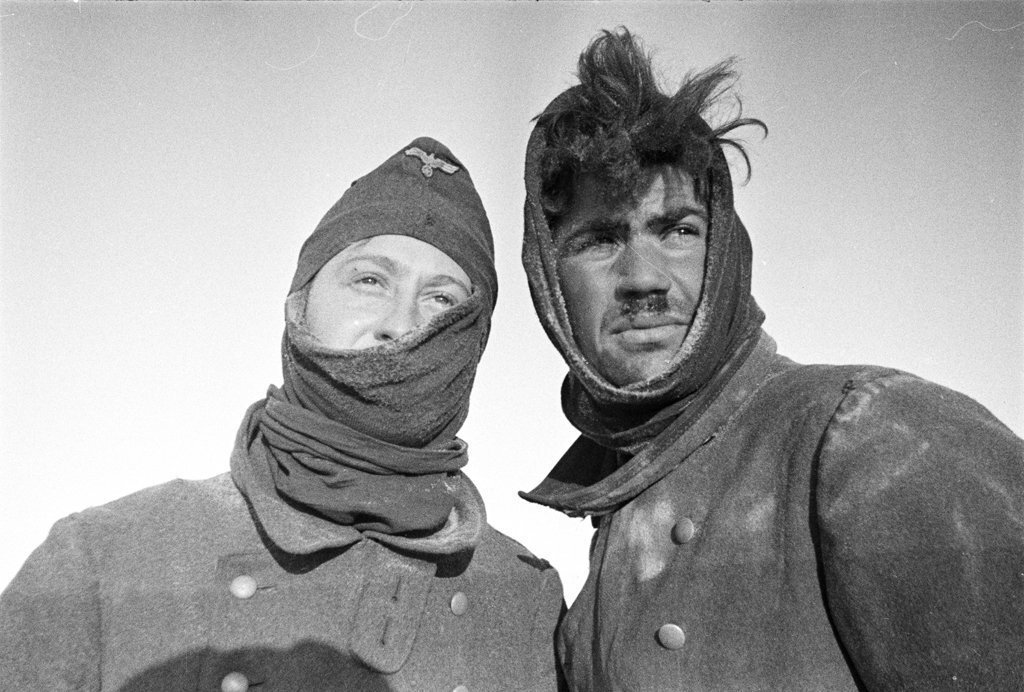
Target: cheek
688	276
335	318
584	296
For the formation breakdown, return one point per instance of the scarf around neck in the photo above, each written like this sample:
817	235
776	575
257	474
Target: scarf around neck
366	438
301	532
593	480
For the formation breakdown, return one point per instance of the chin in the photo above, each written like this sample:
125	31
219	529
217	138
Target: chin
625	374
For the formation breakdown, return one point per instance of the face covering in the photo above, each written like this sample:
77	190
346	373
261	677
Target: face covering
367	437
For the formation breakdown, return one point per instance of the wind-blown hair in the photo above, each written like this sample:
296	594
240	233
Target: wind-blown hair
617	122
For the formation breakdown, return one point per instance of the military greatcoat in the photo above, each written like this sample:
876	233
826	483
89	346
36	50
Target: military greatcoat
820	528
178	588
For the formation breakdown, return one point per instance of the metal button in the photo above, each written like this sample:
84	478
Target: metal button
243	586
671	636
461	688
460	604
234	682
683	531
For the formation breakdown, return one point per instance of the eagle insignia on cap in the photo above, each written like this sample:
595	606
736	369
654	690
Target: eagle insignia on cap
430	162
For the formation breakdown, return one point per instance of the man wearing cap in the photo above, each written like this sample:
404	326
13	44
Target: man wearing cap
761	525
345	549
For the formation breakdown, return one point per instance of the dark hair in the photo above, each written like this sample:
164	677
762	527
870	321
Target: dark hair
617	122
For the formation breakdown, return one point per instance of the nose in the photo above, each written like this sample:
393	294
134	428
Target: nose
640	268
402	317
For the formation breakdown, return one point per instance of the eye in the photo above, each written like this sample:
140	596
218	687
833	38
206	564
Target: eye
368	282
443	299
683	233
683	229
592	244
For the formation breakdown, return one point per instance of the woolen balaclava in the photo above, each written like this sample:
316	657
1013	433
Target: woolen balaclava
367	437
725	329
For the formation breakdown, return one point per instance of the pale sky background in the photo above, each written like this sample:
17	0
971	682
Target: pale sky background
163	162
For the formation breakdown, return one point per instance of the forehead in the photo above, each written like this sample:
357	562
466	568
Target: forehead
408	250
663	187
401	254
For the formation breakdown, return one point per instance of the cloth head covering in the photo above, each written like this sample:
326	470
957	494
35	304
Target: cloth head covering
423	192
724	330
367	437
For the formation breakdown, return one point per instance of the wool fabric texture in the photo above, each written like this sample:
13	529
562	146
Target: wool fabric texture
412	392
367	437
591	480
399	198
724	330
353	479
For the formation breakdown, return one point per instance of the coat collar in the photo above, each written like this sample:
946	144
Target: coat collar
593	480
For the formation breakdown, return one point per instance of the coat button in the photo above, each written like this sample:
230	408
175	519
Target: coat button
234	682
682	532
671	636
243	586
461	688
460	604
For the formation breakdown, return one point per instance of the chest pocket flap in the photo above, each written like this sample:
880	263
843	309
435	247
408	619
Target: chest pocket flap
391	603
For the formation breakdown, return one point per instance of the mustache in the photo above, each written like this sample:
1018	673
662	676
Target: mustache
654	303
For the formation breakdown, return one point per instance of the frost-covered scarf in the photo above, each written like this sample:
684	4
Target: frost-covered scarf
725	330
367	437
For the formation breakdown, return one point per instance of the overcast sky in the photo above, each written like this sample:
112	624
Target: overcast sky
163	162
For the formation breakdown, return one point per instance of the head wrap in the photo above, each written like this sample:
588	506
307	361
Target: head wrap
366	437
724	330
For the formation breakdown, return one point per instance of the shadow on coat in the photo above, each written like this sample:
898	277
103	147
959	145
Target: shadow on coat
308	666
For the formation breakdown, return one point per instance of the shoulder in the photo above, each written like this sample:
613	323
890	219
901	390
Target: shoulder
901	396
865	422
501	554
858	397
897	409
163	521
799	401
496	545
516	582
827	382
896	437
176	497
169	512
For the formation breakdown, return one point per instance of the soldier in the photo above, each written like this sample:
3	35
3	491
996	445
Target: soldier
345	549
760	524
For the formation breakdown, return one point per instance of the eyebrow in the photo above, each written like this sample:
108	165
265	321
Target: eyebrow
401	269
442	279
383	260
598	225
677	213
618	225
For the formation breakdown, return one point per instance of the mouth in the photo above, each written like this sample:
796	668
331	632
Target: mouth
643	322
648	330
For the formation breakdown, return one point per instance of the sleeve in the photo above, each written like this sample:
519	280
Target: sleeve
50	617
550	609
920	509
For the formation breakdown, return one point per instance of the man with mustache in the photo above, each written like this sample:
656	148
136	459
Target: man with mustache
345	550
760	524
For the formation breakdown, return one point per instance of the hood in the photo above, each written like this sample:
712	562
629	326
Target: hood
724	330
